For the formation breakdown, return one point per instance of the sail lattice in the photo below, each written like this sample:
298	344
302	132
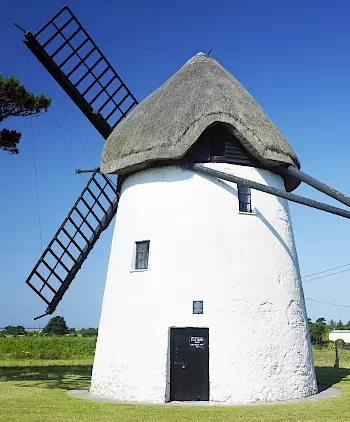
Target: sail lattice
65	254
71	56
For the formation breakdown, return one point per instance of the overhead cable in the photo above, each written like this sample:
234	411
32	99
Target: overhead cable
35	171
151	49
20	250
58	124
324	276
36	187
71	123
327	303
326	271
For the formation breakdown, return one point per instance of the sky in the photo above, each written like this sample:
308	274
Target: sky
293	57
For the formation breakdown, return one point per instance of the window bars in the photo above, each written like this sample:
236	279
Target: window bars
62	259
142	253
78	65
244	198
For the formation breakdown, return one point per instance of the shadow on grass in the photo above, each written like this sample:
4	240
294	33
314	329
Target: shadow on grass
328	376
65	377
69	377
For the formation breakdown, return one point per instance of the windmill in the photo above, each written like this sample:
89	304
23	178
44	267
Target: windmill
203	243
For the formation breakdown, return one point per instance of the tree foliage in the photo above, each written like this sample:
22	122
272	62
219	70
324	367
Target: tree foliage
88	332
320	330
56	326
15	100
14	331
340	325
317	332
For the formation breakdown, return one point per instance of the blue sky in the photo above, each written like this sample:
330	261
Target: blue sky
291	56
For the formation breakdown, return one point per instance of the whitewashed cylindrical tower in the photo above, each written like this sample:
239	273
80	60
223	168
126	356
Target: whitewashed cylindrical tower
203	299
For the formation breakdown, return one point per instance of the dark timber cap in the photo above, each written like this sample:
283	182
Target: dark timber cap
167	123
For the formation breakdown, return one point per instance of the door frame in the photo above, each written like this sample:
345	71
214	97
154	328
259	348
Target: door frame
169	365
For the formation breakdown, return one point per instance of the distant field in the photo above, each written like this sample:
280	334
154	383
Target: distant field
47	347
35	390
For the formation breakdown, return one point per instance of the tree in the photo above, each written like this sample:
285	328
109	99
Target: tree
332	323
88	332
15	100
321	321
317	332
14	331
340	324
56	326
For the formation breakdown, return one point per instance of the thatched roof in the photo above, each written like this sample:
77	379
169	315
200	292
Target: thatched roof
167	123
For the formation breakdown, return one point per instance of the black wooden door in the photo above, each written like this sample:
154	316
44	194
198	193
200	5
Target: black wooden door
189	370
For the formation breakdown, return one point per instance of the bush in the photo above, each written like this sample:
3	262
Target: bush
330	345
340	343
88	332
14	331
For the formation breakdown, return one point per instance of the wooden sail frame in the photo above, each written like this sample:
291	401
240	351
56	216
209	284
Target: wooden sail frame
74	60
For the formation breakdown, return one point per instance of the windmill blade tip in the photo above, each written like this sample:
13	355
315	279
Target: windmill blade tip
20	28
41	316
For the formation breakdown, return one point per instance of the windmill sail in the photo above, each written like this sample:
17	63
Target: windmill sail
70	55
62	259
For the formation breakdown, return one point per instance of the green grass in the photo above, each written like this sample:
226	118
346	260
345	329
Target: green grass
43	347
35	390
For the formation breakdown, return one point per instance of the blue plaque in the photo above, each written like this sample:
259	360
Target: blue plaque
198	306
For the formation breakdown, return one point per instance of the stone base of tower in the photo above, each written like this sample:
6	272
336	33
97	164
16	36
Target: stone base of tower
243	268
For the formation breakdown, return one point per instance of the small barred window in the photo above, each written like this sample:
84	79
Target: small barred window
245	200
141	255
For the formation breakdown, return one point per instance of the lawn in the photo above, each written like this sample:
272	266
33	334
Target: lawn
35	390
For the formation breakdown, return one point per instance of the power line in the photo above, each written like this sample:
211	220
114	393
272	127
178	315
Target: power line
58	124
326	271
113	183
20	250
35	171
150	48
328	303
36	187
324	276
36	250
71	123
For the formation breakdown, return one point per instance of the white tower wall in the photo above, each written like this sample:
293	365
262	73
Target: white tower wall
245	269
